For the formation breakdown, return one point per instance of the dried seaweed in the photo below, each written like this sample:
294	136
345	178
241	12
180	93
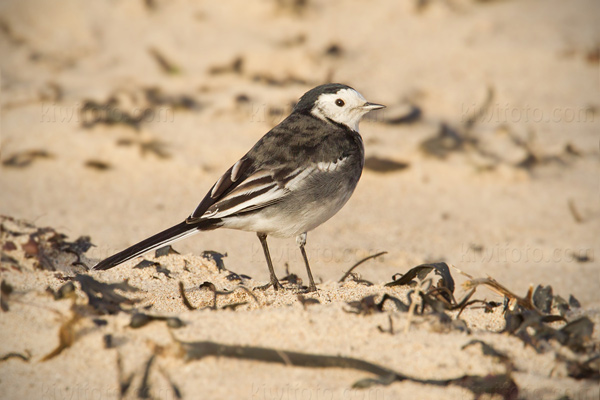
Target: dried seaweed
108	341
242	98
11	34
144	390
186	301
334	50
384	165
66	291
421	271
151	145
576	333
174	387
447	140
215	257
234	306
389	330
589	369
145	264
108	113
343	278
492	384
199	350
451	139
367	305
25	158
526	317
533	329
233	277
139	320
236	277
31	248
307	301
270	80
98	165
480	112
156	147
501	384
162	270
45	245
211	287
235	67
102	297
542	298
159	268
592	56
399	304
23	356
561	305
156	97
364	306
8	260
9	246
358	280
124	382
444	291
291	279
573	302
173	322
81	245
296	8
166	66
489	350
165	251
66	336
574	212
5	292
488	306
491	283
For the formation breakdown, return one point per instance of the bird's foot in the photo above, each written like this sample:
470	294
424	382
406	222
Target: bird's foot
275	283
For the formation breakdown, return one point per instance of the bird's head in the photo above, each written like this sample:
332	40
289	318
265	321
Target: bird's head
337	103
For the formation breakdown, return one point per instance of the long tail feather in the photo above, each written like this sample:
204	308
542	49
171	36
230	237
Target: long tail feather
161	239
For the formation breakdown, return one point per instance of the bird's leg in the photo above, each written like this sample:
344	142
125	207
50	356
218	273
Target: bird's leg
263	241
301	241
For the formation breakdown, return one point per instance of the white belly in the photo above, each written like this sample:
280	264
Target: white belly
289	218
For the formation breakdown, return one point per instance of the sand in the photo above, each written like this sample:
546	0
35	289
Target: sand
516	199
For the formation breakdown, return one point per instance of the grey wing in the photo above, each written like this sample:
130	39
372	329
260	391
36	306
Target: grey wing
260	189
232	178
245	187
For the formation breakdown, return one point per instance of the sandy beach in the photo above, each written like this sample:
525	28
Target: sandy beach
117	117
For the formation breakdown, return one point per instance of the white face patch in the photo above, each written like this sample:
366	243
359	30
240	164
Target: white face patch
344	107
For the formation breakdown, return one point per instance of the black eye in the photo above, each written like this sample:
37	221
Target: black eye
339	103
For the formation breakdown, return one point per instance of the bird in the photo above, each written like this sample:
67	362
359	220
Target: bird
297	176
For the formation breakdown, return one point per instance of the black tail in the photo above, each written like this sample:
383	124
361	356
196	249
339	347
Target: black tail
163	238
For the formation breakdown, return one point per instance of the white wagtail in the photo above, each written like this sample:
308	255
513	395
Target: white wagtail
296	177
